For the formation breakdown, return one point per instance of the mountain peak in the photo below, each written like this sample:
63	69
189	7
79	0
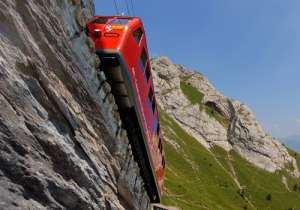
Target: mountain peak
214	119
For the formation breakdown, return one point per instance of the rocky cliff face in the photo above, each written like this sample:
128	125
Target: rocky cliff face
61	142
214	119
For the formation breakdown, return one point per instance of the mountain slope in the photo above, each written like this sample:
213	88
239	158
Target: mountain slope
211	165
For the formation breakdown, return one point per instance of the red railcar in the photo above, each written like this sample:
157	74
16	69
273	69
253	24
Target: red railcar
120	43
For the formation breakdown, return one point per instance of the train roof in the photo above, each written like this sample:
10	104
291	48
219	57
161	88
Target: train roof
133	21
117	17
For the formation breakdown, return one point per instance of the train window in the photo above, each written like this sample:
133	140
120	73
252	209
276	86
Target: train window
163	162
148	72
104	20
101	20
145	65
151	100
155	125
137	34
160	145
150	95
120	21
153	105
158	130
143	59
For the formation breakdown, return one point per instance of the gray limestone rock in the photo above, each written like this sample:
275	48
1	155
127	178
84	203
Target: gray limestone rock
61	141
241	133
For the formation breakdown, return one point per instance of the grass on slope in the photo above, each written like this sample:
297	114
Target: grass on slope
196	97
194	179
295	155
198	179
192	94
265	190
221	119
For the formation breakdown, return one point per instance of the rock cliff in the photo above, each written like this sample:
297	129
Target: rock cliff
214	119
61	141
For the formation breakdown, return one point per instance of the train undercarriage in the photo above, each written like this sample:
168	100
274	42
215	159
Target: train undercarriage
120	82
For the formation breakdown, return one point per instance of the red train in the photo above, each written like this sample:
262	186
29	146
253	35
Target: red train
120	43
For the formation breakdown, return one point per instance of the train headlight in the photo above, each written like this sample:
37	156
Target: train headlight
97	32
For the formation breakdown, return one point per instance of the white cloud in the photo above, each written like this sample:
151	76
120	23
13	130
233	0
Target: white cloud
298	121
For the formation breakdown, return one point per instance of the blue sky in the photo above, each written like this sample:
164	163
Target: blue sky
250	49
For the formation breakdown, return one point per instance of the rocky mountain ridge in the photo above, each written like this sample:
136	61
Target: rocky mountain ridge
214	119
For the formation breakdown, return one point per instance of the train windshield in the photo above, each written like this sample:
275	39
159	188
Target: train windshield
104	20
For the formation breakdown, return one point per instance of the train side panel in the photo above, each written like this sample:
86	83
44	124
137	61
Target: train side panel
144	86
130	40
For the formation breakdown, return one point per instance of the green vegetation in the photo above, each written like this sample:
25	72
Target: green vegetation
266	190
295	155
220	118
196	97
199	179
194	180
